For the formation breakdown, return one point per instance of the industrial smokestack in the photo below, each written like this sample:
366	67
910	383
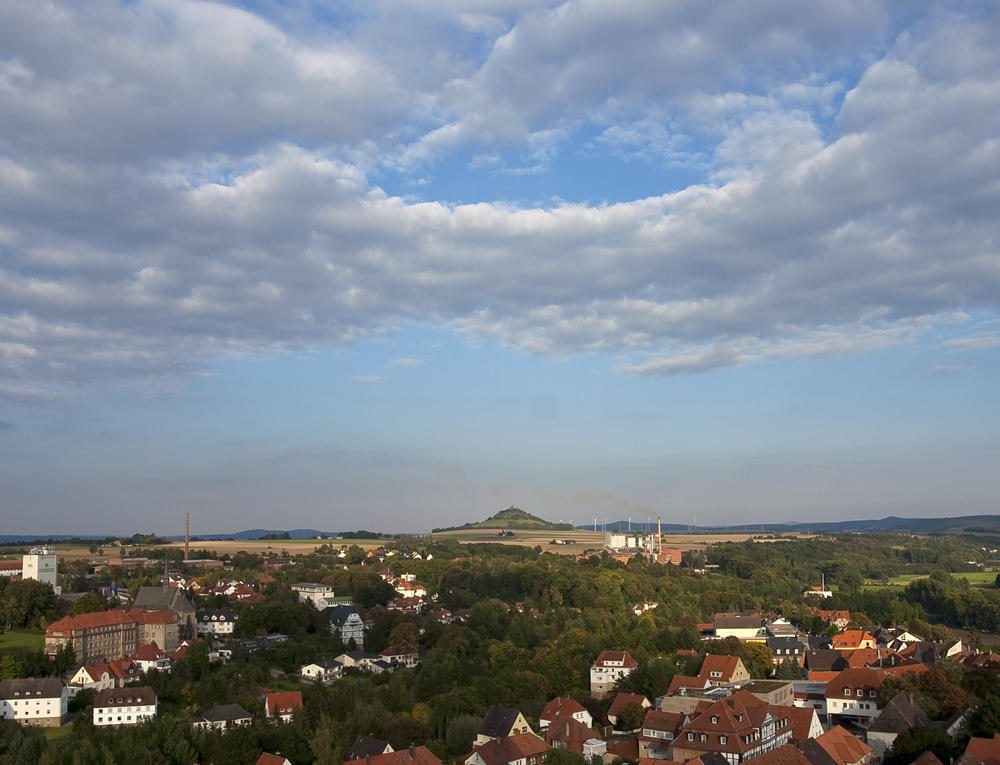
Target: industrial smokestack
659	538
187	536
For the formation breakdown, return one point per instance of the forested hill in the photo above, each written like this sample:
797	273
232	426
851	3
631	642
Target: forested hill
513	518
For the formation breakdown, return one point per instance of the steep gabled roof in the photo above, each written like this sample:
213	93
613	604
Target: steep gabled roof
561	705
619	658
498	722
844	748
783	755
726	666
984	750
899	715
419	755
626	698
367	746
283	702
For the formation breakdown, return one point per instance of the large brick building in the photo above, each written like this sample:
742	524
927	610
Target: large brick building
102	636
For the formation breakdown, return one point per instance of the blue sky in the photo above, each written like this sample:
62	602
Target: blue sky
398	265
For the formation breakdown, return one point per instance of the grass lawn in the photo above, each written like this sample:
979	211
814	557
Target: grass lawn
51	734
33	640
978	578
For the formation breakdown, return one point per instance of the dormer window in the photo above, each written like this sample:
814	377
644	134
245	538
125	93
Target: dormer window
847	691
723	740
690	737
860	692
715	720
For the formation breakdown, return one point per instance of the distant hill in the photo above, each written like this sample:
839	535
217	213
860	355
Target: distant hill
514	518
964	524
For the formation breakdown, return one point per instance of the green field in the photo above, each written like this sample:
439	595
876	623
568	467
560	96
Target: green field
975	578
33	640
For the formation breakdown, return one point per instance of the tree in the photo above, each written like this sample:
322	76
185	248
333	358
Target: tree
788	669
912	743
758	660
985	721
631	716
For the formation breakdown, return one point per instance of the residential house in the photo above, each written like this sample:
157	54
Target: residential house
898	716
317	594
785	649
738	727
272	759
566	732
400	656
115	707
415	755
850	640
217	622
282	705
805	723
723	670
323	671
223	717
838	619
839	746
852	694
346	623
566	707
366	746
608	669
91	677
149	657
500	722
359	660
658	732
38	702
614	711
519	749
744	626
981	751
788	754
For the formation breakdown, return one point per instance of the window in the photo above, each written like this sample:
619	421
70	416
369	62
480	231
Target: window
860	692
723	740
715	720
703	738
690	737
871	693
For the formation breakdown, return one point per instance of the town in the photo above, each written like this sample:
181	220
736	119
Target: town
831	650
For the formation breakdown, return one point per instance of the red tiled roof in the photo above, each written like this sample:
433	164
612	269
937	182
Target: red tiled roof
726	665
843	747
626	698
148	652
617	656
88	621
851	639
783	755
984	749
271	759
561	705
419	755
685	681
569	731
283	703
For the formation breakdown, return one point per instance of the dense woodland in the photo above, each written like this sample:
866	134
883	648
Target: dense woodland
503	653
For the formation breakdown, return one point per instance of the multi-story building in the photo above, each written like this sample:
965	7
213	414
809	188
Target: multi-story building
347	624
39	702
610	667
114	707
738	727
41	564
98	637
160	627
220	622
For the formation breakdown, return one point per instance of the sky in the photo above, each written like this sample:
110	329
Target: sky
400	264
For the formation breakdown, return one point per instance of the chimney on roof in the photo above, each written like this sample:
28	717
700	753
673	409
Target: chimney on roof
413	753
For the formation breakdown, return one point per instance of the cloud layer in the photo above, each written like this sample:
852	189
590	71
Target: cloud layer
183	180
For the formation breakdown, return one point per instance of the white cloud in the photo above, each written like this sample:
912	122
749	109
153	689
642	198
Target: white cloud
185	180
405	362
